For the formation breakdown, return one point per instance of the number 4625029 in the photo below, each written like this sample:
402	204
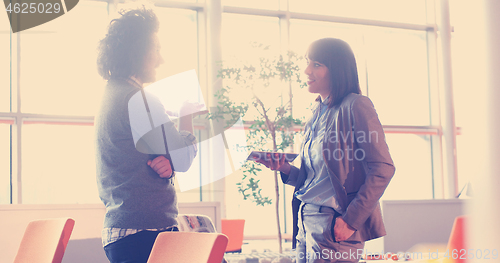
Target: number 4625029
32	8
471	254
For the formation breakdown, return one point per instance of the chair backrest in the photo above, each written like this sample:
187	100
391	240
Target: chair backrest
233	229
45	241
182	247
458	240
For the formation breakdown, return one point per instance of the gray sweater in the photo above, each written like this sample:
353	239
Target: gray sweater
133	193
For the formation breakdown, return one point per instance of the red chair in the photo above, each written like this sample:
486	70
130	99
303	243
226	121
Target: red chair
458	239
233	229
182	247
45	241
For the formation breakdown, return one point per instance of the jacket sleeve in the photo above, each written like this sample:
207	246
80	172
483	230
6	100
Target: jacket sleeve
291	178
374	153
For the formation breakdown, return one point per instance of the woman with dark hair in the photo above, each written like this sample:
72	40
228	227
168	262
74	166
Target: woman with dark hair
345	162
136	187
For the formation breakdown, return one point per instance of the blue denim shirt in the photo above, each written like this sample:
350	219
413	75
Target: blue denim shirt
317	189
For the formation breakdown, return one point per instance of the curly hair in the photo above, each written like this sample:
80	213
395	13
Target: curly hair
338	57
121	53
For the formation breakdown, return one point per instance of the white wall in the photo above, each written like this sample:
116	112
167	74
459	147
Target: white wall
413	222
485	224
477	66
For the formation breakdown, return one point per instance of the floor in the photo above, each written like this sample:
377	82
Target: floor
250	246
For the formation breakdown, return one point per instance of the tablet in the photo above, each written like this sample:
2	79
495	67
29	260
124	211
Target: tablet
289	157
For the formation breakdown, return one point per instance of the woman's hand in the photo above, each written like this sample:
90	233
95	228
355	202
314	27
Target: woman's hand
275	163
161	166
342	231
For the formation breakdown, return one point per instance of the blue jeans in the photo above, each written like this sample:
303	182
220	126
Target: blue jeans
315	241
133	248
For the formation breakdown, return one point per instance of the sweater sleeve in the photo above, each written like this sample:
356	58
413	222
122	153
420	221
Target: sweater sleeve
377	161
184	150
181	145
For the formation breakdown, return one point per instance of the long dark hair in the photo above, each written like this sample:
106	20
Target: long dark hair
338	57
121	53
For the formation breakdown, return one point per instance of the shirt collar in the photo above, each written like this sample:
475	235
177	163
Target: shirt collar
135	82
323	103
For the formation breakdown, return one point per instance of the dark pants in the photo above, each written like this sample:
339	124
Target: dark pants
133	248
315	241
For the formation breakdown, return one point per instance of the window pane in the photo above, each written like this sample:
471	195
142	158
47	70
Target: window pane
412	158
469	145
58	70
5	64
58	164
5	164
260	220
246	39
178	40
262	4
392	67
239	32
398	75
408	11
304	32
470	88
